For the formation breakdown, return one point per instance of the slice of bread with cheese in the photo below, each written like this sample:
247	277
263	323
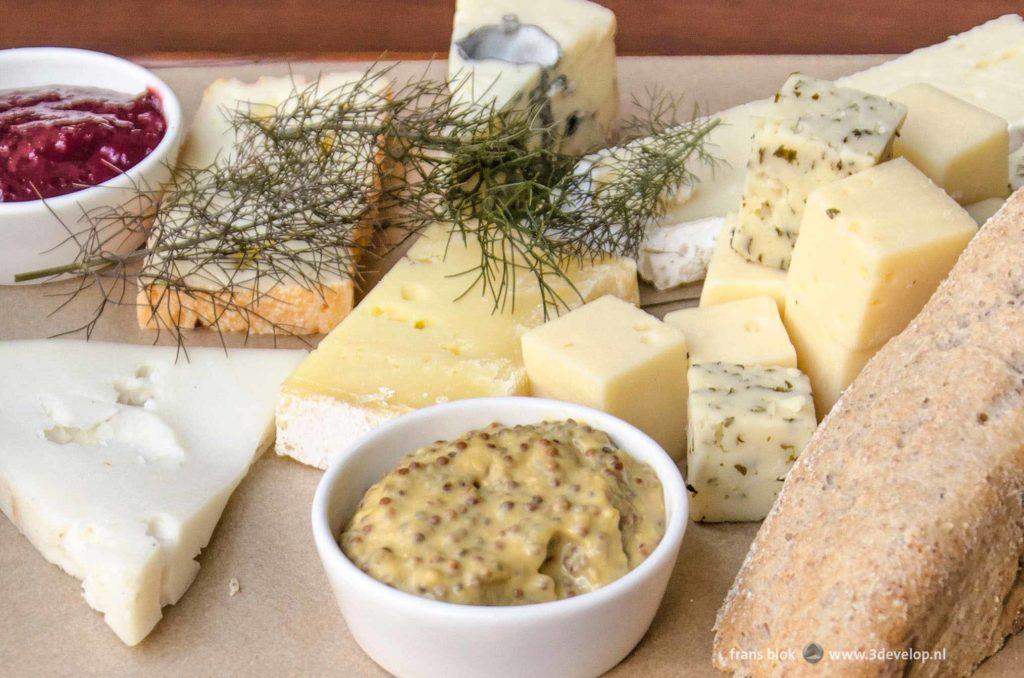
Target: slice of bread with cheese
292	288
116	460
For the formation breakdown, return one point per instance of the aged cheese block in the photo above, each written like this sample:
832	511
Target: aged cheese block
877	245
962	148
731	277
747	424
814	134
117	460
509	53
901	528
610	355
426	333
299	292
745	332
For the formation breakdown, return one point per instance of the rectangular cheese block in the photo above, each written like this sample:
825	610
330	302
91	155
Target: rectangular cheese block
730	277
116	460
426	333
745	332
747	425
814	134
612	356
962	148
982	66
296	289
829	365
873	248
513	53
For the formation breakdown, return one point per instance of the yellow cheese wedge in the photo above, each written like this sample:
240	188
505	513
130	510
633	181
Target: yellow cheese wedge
744	332
731	277
613	356
962	148
427	333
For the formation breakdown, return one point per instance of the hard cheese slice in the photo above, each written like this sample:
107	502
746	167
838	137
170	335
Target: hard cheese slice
426	333
116	460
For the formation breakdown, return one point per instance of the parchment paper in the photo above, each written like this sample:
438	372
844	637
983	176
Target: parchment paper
284	622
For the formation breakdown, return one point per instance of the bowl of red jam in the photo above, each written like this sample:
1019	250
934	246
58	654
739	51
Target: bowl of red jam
83	135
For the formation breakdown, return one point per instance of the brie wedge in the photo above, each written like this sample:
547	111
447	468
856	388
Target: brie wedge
117	460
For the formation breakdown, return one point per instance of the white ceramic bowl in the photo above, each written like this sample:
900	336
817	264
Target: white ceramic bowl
31	234
413	636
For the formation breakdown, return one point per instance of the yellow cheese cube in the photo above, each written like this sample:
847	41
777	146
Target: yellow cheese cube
830	366
745	332
731	277
426	333
872	249
612	356
963	148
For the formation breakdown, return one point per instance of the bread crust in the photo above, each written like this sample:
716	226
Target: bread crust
901	526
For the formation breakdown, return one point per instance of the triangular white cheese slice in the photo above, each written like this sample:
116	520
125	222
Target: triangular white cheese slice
116	460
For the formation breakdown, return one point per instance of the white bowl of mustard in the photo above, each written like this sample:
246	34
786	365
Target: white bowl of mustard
410	635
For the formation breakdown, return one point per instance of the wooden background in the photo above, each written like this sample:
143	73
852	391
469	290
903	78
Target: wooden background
368	27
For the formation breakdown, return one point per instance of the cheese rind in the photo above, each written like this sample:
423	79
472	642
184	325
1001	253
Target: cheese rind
730	277
962	148
873	247
117	460
746	427
426	333
744	332
612	356
676	254
814	134
509	53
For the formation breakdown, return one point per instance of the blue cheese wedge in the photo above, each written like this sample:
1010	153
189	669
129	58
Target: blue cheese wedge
512	53
746	427
815	133
116	460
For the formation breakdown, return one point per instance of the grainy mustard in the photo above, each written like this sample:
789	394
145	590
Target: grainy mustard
509	516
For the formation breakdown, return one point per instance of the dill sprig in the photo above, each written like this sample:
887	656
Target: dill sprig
308	183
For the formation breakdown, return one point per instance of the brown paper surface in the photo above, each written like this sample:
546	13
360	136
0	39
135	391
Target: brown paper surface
284	620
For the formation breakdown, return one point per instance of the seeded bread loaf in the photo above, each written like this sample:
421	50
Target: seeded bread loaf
901	526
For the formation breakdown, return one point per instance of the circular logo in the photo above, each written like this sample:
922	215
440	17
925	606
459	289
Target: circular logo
813	653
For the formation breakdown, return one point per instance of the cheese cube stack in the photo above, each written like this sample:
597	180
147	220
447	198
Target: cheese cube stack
962	148
730	277
815	134
117	460
746	332
612	356
746	427
426	333
873	247
511	53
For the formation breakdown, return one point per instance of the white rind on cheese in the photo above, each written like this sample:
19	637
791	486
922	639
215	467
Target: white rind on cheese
508	53
117	460
676	254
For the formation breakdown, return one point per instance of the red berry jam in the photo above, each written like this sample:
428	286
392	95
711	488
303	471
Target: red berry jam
59	139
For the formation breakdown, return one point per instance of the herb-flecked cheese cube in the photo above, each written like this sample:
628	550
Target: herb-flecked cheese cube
747	425
815	134
730	277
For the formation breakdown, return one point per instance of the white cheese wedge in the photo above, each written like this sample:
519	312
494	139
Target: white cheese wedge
747	425
676	254
426	333
814	134
983	66
116	460
509	53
